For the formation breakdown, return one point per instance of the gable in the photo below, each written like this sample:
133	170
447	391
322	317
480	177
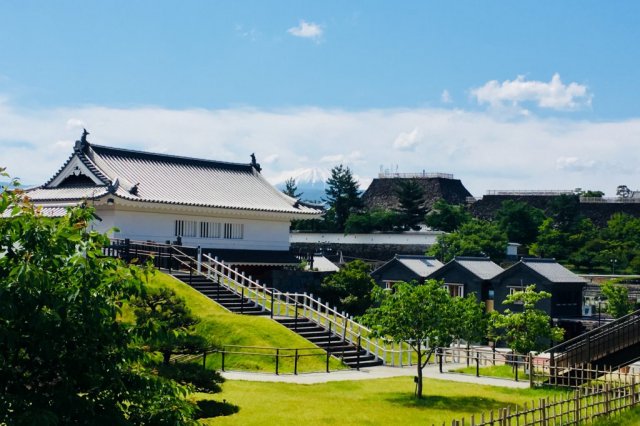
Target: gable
74	169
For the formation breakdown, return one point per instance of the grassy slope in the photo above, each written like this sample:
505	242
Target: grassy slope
226	328
367	402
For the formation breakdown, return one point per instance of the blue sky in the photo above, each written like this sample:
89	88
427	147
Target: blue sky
505	95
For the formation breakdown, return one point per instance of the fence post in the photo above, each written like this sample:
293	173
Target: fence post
543	412
277	360
204	360
439	352
516	359
530	369
190	271
295	316
358	354
223	353
199	259
576	406
272	296
633	390
295	363
477	364
328	355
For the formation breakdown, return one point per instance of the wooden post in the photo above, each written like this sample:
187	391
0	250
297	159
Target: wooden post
633	391
328	356
277	360
530	370
477	364
223	353
295	363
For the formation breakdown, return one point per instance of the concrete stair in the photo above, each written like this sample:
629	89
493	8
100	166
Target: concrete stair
220	294
330	342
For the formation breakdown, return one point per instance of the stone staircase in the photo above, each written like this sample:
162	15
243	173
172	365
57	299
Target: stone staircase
330	342
233	302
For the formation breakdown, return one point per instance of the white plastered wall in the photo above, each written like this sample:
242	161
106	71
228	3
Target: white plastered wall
259	234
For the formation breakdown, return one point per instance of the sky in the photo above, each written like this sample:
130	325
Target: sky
534	95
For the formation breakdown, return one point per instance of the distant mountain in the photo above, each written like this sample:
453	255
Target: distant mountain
311	183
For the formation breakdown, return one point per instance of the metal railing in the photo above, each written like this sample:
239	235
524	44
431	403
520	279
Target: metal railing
597	343
391	175
530	192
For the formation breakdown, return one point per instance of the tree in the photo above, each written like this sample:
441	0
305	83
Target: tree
447	217
376	220
623	191
519	221
474	238
342	196
64	356
291	188
565	212
414	313
411	204
167	324
591	194
350	288
617	295
471	319
528	330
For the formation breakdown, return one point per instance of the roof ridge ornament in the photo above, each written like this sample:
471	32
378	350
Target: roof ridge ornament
254	164
82	143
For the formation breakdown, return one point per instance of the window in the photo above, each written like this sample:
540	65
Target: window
455	290
185	228
233	231
210	229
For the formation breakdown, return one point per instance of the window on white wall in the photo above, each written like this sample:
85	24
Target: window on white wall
210	229
185	228
233	231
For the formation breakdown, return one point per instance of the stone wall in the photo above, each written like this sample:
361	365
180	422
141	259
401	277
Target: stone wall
377	252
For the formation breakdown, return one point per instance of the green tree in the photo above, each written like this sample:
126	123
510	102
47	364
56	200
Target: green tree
64	356
291	188
471	319
591	194
350	288
167	324
565	212
342	196
519	221
376	220
411	207
414	313
447	217
527	330
617	295
473	238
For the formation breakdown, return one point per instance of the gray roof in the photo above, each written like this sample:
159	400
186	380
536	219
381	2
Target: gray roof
159	178
552	270
482	267
421	265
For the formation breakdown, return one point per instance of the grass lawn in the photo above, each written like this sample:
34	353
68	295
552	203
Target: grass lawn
227	328
503	371
628	418
367	402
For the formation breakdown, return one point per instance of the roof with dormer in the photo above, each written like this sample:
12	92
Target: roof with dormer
94	171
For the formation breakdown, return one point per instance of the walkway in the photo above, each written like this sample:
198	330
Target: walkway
380	372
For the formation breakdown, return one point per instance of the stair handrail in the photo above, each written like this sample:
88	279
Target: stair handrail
309	307
592	339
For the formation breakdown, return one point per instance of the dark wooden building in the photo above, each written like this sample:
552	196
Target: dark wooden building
405	268
466	275
548	275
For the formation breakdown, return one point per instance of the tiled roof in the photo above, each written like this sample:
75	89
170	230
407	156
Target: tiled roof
552	270
159	178
481	267
421	265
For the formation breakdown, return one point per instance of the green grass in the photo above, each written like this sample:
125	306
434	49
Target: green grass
628	418
502	371
367	402
225	328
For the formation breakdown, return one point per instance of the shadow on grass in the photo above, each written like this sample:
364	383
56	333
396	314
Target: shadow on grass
439	402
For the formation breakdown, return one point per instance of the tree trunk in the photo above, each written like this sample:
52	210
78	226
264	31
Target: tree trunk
419	384
166	357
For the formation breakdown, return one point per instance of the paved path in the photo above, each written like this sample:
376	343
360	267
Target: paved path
430	371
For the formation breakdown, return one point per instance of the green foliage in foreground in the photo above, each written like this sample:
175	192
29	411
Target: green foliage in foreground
224	328
366	402
64	359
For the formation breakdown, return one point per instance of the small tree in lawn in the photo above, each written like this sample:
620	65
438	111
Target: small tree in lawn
618	304
470	322
414	313
529	330
167	323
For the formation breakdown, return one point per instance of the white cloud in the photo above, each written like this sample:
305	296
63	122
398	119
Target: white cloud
307	30
270	159
553	95
484	151
445	97
407	141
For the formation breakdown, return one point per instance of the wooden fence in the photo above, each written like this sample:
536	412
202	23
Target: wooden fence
584	406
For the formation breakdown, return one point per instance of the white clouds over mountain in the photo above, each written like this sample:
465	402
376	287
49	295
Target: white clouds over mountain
484	151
